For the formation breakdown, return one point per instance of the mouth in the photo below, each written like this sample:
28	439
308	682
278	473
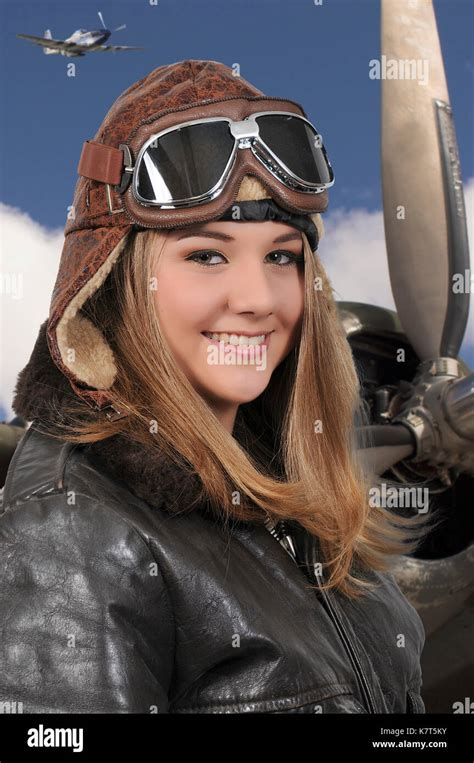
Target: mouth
239	342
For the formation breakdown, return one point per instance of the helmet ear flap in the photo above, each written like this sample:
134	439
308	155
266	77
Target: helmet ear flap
83	349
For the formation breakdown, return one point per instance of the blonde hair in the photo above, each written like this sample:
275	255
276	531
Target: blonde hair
279	466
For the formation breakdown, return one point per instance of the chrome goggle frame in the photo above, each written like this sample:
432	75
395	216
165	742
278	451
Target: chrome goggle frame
246	135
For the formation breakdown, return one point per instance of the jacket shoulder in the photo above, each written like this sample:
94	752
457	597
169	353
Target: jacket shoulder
44	467
86	620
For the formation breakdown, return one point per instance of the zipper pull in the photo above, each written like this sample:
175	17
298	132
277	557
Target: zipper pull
278	530
287	540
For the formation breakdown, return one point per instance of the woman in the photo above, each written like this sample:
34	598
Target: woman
186	526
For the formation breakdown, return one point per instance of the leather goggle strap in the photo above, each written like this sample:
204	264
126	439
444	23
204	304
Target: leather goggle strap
101	162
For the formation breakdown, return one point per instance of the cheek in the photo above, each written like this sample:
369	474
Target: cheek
180	305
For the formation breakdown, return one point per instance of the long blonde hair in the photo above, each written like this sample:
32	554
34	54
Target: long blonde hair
293	453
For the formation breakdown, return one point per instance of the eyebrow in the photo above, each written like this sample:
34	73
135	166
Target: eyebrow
197	231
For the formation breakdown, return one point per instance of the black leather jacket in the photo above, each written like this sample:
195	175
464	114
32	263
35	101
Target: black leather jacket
109	604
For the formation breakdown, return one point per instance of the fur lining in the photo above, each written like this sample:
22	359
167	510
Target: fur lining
41	388
83	348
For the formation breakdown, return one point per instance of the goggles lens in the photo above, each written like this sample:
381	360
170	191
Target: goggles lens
185	162
296	144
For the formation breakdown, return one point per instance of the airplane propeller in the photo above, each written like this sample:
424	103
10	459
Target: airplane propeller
427	248
118	29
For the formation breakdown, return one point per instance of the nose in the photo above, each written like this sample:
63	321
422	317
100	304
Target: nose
250	290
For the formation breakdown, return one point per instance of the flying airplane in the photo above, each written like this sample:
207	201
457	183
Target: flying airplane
79	43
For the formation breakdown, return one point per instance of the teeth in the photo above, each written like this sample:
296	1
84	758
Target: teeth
236	339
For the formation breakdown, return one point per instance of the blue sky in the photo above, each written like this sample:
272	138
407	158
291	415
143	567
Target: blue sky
316	55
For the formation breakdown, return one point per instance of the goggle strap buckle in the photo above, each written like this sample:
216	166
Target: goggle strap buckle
110	205
127	175
128	168
108	165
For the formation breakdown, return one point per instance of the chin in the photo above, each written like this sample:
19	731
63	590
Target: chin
239	394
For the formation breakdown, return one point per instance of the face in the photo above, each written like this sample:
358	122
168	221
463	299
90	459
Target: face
242	282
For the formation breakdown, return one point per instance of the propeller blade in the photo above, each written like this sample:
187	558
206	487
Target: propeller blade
424	213
119	28
378	460
382	446
101	19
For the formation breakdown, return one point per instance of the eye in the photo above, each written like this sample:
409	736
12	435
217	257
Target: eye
197	257
200	258
292	258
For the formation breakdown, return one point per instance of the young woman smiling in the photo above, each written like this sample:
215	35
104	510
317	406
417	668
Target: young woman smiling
140	572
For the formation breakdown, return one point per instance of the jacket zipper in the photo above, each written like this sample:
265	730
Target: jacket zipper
345	638
279	532
413	706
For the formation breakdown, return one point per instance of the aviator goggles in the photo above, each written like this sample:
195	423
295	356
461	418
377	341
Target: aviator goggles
189	164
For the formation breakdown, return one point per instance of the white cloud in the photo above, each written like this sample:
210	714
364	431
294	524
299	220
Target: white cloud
354	255
30	257
31	253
